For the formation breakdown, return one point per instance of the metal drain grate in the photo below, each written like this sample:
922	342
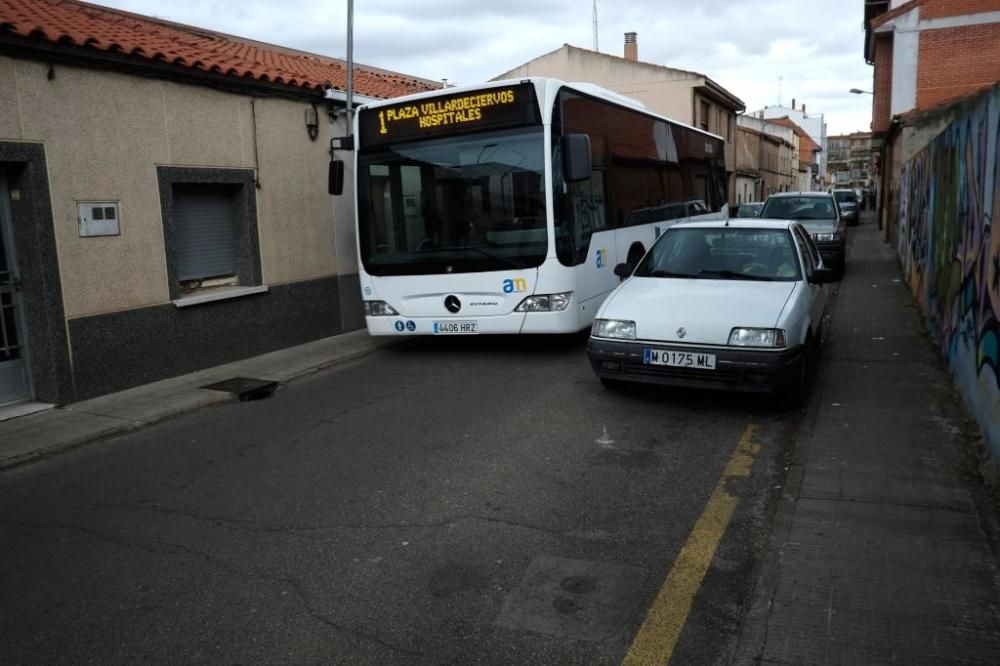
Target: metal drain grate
245	388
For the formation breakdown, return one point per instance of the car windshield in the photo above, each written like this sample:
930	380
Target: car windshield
722	253
799	208
844	196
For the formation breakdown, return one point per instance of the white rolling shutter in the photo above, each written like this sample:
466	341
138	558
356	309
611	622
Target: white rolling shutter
204	232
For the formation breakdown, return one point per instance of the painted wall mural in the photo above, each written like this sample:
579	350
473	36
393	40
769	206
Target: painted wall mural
949	247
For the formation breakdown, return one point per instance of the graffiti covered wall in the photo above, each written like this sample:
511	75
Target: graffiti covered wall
949	247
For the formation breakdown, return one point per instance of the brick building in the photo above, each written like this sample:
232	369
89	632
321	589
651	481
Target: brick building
925	54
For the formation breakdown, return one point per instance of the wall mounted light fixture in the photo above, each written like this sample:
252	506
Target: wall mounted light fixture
312	122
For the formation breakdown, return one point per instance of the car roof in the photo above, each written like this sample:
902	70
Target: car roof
742	223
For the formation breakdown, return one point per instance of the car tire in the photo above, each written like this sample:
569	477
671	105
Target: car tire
796	391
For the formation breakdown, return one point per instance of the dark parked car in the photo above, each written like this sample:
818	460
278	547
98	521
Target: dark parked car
819	214
751	209
849	205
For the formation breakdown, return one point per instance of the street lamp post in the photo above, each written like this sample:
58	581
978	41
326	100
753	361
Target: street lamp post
859	91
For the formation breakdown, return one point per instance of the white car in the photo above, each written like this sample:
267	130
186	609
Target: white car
716	305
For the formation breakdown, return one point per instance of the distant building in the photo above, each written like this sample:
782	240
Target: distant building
688	97
810	178
163	193
849	163
767	159
813	125
926	54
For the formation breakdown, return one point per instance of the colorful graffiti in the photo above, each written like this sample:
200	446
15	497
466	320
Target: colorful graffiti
949	245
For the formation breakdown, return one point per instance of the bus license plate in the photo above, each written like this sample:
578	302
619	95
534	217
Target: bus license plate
679	359
456	328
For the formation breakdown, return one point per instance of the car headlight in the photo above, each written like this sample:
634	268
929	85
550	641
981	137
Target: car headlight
835	236
757	337
613	328
546	302
379	309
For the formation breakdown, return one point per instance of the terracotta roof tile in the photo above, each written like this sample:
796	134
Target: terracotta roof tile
100	28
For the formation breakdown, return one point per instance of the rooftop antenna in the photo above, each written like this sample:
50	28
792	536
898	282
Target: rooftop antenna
596	47
779	89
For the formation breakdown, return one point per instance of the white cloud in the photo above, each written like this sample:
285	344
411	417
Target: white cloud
815	46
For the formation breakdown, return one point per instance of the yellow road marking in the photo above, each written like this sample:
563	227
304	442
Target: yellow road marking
657	637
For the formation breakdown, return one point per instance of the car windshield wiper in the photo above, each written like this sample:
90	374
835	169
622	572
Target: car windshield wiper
733	275
486	253
668	274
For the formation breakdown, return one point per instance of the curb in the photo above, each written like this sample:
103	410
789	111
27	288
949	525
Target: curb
210	398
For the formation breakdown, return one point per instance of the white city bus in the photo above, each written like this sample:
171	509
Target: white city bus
504	208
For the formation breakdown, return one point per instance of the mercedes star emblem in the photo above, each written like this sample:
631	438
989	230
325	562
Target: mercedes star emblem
681	332
453	304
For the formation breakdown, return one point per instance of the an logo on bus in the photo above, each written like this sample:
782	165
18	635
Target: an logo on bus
514	285
602	258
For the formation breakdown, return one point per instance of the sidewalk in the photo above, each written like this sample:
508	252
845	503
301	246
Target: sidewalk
878	553
45	433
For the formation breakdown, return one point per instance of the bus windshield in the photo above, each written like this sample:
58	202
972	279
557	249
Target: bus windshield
453	205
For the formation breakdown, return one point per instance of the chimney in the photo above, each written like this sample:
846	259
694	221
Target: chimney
631	47
793	104
803	109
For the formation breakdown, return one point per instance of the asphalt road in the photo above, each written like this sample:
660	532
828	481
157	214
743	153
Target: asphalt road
445	501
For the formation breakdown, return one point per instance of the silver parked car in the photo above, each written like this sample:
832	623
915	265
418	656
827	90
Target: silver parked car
819	214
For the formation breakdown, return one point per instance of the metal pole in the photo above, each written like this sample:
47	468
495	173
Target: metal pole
350	67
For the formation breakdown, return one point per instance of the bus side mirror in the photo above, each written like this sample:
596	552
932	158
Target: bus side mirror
335	177
575	149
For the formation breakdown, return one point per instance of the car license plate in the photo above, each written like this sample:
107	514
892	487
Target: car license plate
679	359
456	328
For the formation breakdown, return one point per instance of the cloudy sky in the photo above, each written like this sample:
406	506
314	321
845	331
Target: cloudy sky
813	46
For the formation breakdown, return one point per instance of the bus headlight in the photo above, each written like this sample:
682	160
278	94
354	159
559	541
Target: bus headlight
613	328
379	309
546	302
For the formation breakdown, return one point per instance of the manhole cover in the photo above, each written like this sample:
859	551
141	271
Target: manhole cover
588	601
245	388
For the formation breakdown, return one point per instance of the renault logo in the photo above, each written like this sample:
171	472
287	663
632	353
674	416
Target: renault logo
453	304
681	332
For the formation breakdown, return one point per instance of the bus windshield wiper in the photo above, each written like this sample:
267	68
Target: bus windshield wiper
734	275
513	263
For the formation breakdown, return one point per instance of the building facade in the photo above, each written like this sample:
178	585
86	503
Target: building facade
850	160
813	125
809	177
767	159
688	97
925	54
165	207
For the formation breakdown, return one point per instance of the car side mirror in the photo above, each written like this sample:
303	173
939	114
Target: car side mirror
335	177
575	149
822	276
623	271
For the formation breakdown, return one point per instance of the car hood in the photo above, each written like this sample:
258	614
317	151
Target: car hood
707	310
819	226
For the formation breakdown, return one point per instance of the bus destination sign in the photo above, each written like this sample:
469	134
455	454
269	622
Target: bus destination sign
493	108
